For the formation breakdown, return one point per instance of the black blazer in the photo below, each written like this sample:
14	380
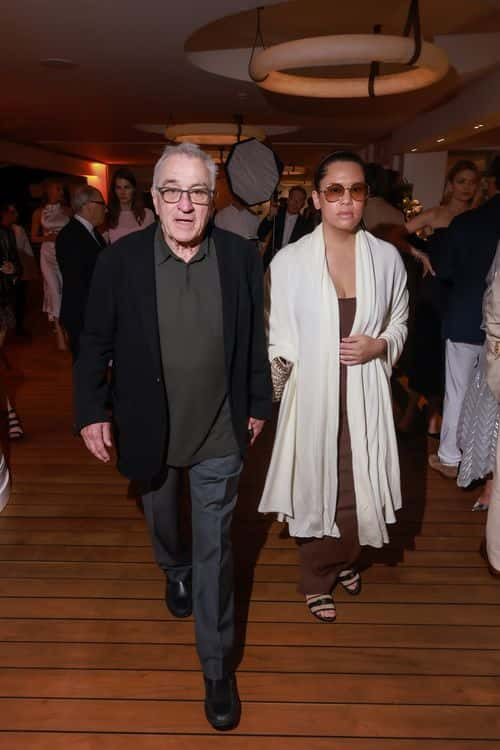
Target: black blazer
462	258
121	324
8	254
303	226
77	253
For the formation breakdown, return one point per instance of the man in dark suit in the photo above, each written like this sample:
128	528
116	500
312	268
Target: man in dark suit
178	307
285	224
77	246
463	259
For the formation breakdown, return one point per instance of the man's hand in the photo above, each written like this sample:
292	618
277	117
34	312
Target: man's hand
255	427
7	267
356	350
97	438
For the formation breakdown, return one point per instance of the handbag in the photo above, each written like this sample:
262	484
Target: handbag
280	372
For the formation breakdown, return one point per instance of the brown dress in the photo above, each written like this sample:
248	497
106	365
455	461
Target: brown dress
321	560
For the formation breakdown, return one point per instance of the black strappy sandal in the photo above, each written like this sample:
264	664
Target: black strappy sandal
321	603
351	581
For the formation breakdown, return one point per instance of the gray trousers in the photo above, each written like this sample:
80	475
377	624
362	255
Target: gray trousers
214	491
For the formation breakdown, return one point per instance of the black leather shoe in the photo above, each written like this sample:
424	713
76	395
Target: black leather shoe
222	703
178	597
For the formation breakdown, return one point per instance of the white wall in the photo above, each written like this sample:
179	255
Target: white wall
427	173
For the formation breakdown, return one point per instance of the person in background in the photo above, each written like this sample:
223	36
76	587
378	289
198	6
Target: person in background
310	213
8	218
285	224
427	363
479	417
126	211
47	221
10	270
382	218
490	547
78	245
462	260
4	482
337	320
238	219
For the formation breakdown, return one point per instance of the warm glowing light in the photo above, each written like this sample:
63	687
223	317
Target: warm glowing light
413	150
440	140
98	178
294	169
346	49
212	133
478	126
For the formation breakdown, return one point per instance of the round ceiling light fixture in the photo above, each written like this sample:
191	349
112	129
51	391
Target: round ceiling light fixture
346	49
213	133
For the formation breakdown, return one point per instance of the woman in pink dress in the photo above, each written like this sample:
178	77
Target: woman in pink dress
126	210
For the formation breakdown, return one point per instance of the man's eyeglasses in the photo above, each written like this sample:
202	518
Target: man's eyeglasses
336	191
200	196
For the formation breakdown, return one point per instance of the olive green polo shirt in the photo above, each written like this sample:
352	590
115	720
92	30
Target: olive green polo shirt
189	303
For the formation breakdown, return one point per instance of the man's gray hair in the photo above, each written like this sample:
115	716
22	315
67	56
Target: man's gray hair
193	152
82	195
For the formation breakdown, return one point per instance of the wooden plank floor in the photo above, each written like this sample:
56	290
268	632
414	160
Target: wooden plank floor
90	658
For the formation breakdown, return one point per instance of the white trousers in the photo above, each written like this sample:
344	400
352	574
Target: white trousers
460	362
493	521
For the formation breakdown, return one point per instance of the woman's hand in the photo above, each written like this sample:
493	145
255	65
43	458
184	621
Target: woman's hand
356	350
423	258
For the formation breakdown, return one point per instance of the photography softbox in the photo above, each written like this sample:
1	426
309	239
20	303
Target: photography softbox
253	171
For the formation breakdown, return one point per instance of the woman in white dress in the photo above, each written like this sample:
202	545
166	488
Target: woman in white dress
338	312
47	222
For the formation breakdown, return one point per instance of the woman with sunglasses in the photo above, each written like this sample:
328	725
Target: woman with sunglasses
337	324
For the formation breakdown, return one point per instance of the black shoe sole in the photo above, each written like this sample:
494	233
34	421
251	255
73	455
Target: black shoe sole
223	726
179	615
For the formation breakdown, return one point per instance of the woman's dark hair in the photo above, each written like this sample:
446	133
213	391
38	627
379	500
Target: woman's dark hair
461	166
123	173
336	156
378	180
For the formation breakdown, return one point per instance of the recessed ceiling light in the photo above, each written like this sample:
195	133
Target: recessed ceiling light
440	140
58	62
478	126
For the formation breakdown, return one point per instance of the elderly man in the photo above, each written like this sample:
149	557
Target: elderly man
178	307
77	246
